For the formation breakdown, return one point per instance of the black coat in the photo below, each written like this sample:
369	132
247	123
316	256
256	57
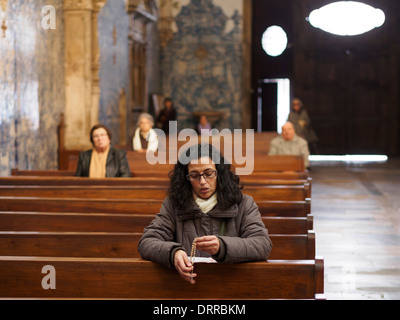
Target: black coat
116	166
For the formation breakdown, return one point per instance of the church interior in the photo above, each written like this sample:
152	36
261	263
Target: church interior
70	64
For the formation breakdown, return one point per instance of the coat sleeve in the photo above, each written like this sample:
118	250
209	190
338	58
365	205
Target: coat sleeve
253	242
305	152
273	148
157	241
124	164
136	140
79	169
153	141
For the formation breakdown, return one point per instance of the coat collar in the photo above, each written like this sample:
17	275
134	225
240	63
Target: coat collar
110	155
217	212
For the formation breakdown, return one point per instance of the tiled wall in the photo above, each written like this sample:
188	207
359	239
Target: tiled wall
201	65
113	28
31	87
200	69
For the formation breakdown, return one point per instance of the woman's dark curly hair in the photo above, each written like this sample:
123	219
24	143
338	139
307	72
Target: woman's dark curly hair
229	192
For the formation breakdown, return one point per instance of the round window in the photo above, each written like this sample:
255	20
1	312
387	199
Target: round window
274	41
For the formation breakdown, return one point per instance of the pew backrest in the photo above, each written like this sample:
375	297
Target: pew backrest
271	192
138	206
275	175
101	222
124	245
22	277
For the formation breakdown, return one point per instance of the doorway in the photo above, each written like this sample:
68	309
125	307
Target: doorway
273	104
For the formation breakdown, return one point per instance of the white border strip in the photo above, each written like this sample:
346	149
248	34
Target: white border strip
349	158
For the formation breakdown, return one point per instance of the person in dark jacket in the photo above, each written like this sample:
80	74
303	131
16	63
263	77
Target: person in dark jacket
205	208
302	125
167	114
103	160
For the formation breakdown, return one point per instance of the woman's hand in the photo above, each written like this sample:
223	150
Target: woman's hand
209	244
184	266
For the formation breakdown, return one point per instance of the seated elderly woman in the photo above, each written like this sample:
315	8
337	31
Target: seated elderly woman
145	138
205	206
103	160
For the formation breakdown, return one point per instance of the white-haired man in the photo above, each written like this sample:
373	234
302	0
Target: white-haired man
288	143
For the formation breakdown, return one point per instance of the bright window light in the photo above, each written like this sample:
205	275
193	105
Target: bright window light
347	18
283	103
350	158
274	41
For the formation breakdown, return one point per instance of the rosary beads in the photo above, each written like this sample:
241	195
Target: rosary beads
193	253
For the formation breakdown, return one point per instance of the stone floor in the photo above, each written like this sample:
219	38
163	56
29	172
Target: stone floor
356	210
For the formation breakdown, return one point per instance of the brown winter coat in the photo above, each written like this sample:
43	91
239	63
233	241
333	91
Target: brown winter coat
246	238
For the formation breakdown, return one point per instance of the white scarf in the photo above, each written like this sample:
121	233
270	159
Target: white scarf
206	205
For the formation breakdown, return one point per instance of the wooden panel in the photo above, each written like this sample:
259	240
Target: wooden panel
139	279
270	208
103	222
349	85
124	245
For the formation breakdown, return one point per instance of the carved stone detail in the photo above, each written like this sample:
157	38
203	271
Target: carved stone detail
79	4
82	69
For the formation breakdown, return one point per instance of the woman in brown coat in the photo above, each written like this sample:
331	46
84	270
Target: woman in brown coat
205	203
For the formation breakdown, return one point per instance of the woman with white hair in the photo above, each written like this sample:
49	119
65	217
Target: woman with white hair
145	138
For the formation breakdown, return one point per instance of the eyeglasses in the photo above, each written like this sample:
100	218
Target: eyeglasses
195	176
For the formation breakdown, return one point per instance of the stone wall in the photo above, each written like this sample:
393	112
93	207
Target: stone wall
202	59
31	86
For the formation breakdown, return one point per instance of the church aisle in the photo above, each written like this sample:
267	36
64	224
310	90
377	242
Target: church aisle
357	222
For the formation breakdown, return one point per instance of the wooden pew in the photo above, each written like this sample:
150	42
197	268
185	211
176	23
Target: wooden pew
124	245
140	166
139	206
100	222
42	173
272	192
285	175
252	180
249	181
21	277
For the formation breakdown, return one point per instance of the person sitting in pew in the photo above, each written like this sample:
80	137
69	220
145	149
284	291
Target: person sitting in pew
145	138
205	212
204	127
167	114
103	160
288	143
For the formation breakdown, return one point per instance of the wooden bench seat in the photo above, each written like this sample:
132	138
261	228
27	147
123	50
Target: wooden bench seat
21	277
100	222
133	181
272	192
124	245
139	165
40	204
285	175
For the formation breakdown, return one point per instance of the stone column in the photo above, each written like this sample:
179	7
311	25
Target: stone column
81	71
246	65
165	22
94	111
